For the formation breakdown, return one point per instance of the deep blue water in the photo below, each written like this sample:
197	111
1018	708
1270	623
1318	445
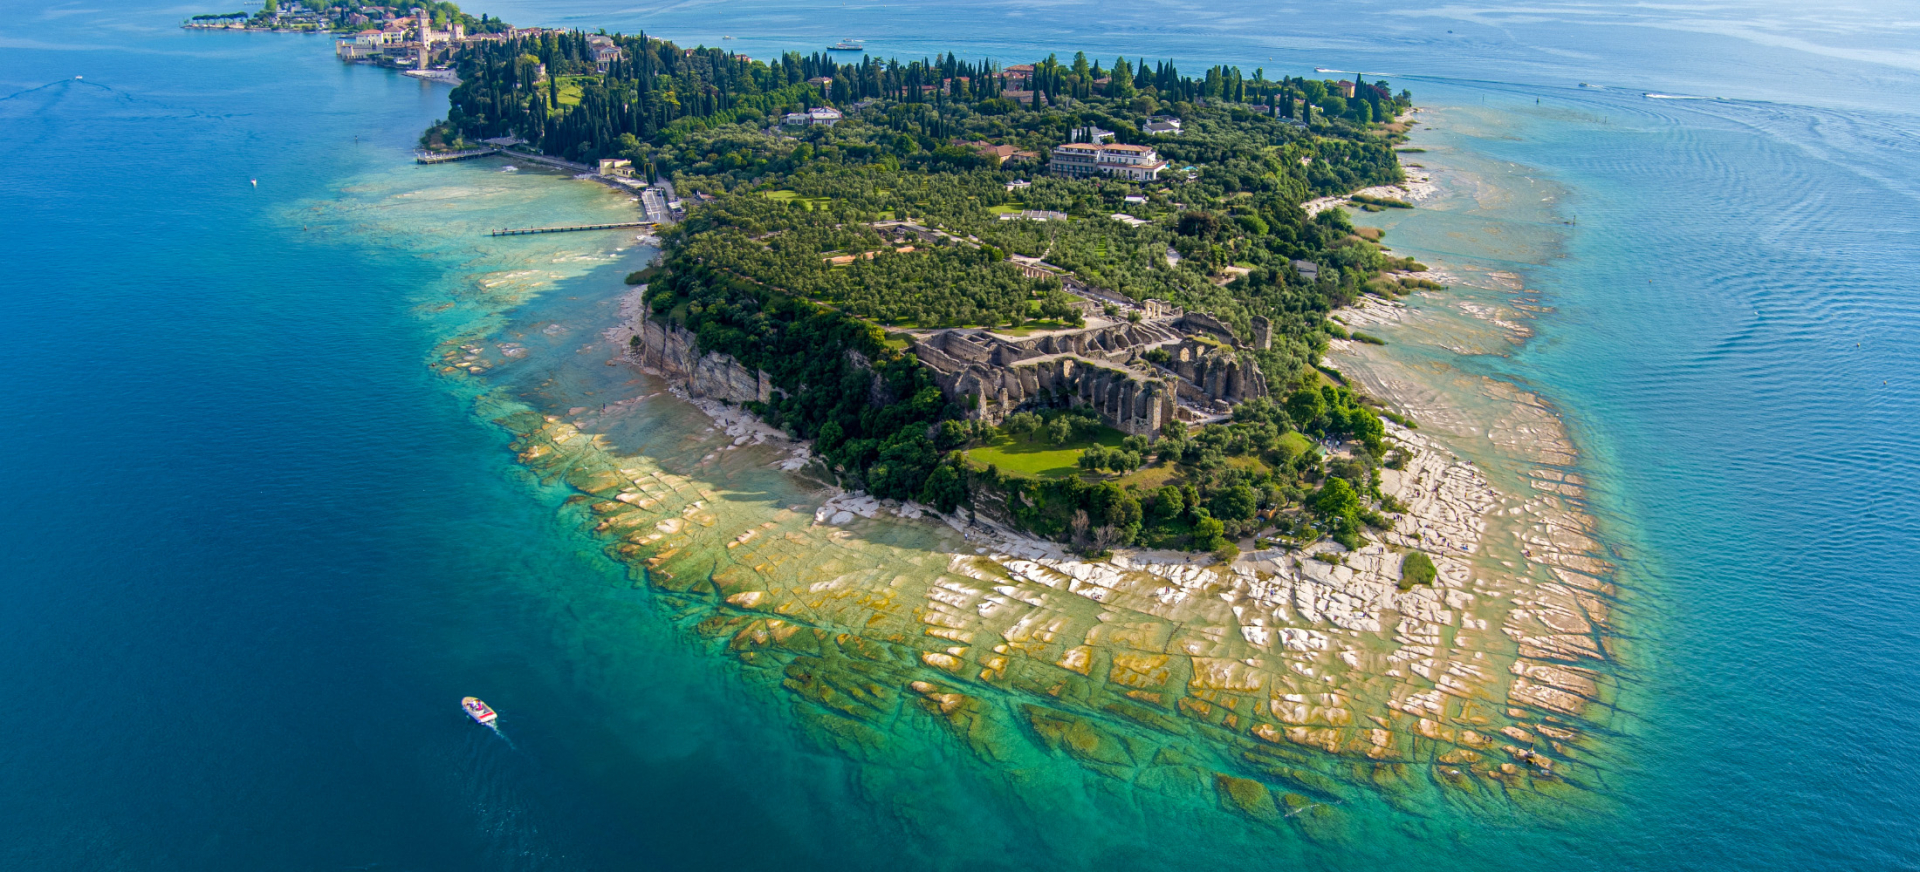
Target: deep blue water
253	545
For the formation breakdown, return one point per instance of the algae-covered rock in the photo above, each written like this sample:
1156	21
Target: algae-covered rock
1292	770
1247	797
850	737
842	686
1078	737
876	651
1146	717
1454	776
970	720
1143	671
1174	780
522	422
595	481
1317	820
715	626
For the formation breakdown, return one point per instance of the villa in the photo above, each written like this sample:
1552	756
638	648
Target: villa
1139	163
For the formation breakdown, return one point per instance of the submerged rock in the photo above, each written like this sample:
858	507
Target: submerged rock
1246	796
1078	737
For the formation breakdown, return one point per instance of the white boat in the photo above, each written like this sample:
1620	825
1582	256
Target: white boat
479	711
847	45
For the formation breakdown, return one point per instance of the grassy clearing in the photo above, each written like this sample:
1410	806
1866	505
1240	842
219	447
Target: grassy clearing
811	203
1005	208
1294	443
1150	477
1032	327
569	89
1038	458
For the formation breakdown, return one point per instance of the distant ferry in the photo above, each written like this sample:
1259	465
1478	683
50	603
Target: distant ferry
847	45
478	711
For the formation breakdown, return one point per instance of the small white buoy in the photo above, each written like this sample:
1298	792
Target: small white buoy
256	182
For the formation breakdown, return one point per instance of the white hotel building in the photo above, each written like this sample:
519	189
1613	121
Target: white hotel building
1139	163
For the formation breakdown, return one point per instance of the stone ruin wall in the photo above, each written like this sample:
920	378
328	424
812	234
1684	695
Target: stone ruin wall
1097	368
1131	404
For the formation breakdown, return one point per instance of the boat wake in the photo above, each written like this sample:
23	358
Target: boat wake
503	736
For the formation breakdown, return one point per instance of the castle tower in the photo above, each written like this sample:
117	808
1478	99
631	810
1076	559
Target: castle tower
425	27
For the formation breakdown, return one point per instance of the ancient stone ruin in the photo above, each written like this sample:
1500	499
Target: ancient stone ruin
1205	372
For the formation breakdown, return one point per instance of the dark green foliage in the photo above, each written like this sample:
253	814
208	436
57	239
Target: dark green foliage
1418	568
1115	460
1234	503
1339	507
1387	202
945	489
1336	412
752	272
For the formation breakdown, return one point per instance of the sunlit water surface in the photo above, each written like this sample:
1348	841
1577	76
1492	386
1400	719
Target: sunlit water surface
260	541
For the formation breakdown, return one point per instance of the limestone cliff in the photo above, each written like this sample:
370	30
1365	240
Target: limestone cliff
673	351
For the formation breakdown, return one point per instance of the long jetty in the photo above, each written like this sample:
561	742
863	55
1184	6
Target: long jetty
573	228
432	158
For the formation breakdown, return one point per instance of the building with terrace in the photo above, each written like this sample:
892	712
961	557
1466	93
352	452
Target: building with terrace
1139	163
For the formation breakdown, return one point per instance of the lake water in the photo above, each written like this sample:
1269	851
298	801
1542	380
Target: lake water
257	542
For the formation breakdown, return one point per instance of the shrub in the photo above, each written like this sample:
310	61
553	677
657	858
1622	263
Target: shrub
1387	202
1418	568
1403	421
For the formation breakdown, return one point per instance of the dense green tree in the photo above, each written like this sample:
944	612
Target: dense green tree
1417	568
1236	503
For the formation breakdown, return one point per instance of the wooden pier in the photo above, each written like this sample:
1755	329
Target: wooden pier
571	229
426	157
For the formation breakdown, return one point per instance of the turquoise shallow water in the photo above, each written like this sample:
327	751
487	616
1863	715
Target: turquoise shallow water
256	544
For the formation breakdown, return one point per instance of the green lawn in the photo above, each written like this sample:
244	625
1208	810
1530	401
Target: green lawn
1031	327
569	90
1005	208
1038	458
1295	443
1149	477
811	203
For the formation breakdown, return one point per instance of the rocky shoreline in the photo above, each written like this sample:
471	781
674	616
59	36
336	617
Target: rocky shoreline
1282	685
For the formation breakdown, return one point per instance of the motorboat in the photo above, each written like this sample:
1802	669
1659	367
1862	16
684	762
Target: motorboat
479	711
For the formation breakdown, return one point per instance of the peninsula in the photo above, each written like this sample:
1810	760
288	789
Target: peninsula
1081	310
1082	299
419	37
